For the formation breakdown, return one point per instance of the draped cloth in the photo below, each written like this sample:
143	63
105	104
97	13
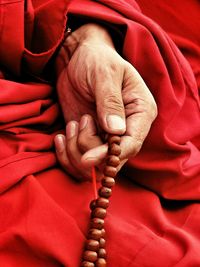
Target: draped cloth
154	215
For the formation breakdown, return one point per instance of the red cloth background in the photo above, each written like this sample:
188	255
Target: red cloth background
154	216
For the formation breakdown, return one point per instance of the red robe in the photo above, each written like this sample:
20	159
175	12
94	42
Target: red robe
154	216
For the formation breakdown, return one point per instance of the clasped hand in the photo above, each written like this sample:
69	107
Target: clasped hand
99	93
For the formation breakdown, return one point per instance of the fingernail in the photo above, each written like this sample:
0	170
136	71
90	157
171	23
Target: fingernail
71	130
83	122
95	153
60	143
115	122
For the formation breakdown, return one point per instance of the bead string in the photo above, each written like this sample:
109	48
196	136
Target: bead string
94	182
94	254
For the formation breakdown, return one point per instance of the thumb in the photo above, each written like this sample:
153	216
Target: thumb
110	107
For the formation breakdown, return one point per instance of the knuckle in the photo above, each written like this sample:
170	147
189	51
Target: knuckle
114	103
152	109
116	67
136	146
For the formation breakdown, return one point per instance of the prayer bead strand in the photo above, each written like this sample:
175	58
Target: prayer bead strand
94	254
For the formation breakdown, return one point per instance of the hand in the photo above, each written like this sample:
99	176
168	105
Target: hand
80	137
94	79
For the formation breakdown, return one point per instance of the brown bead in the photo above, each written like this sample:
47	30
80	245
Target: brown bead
90	256
114	139
110	171
87	264
99	213
108	181
105	192
114	149
93	204
94	234
100	262
102	243
97	223
102	253
113	161
103	233
92	245
102	202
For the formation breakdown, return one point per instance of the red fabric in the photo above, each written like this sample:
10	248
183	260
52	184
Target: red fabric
43	212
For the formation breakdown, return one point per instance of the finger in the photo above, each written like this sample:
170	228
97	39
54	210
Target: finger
88	137
73	152
110	108
95	156
140	111
60	145
129	147
122	162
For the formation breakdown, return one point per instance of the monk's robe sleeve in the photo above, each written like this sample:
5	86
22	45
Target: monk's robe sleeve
27	32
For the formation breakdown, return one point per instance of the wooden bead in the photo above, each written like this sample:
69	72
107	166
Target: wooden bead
99	213
93	204
102	253
92	245
110	171
108	181
114	149
100	262
103	233
90	256
102	202
94	234
95	253
105	192
87	264
113	161
97	223
114	139
102	242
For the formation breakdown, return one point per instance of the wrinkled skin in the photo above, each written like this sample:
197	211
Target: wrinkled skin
99	92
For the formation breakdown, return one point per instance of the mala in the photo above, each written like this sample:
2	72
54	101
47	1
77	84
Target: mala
95	253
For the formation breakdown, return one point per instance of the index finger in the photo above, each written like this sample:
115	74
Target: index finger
140	110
